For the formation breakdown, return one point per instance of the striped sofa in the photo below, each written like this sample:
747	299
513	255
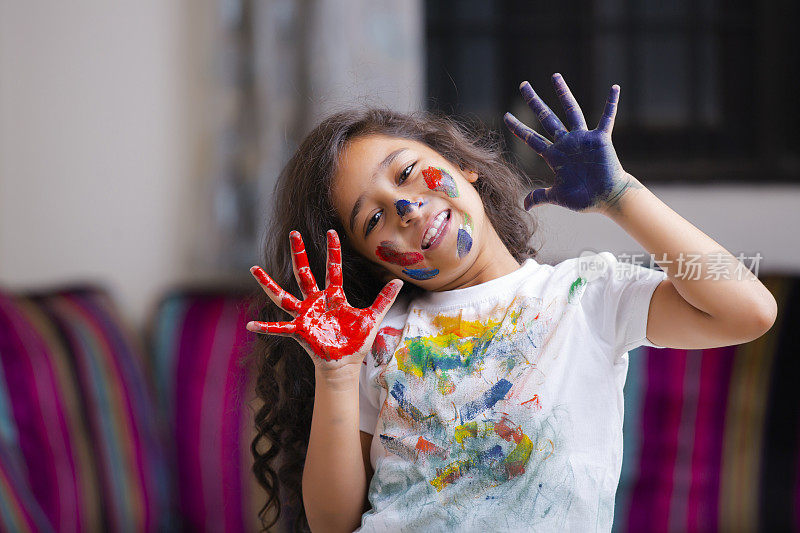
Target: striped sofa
104	431
711	437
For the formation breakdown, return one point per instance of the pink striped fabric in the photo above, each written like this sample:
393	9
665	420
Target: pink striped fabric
660	421
199	343
711	436
50	430
108	363
84	411
19	510
703	494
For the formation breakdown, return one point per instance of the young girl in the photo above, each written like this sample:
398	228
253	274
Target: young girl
487	393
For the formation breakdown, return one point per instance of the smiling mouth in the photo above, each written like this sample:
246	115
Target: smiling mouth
436	231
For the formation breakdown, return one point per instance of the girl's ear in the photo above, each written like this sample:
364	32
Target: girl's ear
469	175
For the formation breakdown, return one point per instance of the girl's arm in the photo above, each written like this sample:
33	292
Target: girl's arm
334	477
337	338
719	302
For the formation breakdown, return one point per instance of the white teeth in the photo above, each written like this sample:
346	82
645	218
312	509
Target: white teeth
434	229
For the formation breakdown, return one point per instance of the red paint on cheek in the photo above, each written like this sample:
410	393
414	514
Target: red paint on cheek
388	252
433	177
438	179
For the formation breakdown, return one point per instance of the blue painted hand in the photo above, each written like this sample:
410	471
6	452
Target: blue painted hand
588	174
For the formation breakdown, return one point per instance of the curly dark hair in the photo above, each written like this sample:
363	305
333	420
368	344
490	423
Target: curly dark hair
302	201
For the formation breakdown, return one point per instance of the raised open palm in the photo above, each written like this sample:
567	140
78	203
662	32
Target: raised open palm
324	324
588	174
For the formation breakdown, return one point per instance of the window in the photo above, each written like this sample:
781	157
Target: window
707	87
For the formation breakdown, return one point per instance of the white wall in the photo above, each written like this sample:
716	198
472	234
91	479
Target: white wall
96	146
104	146
742	218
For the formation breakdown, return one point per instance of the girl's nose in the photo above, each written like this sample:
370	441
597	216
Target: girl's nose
406	208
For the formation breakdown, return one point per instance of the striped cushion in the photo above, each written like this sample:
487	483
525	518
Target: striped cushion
45	409
199	340
19	509
711	436
84	413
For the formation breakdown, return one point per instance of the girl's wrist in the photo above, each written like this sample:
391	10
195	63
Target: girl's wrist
341	379
622	191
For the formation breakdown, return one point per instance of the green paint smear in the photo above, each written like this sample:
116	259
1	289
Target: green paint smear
424	355
573	289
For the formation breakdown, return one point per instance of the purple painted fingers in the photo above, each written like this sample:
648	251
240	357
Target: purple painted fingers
588	174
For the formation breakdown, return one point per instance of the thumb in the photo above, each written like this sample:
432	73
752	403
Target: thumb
386	298
538	196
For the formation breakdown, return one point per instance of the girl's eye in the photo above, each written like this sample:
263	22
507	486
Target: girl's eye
373	221
406	173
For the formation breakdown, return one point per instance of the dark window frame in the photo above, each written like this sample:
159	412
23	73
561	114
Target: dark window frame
756	135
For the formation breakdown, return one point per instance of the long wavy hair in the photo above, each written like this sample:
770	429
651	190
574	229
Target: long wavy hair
302	201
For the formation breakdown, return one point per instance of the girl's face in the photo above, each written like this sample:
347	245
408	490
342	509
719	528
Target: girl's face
409	210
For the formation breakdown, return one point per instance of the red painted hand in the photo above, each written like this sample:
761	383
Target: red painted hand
324	324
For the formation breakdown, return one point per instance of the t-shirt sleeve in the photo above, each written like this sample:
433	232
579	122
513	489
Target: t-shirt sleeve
369	389
368	399
618	301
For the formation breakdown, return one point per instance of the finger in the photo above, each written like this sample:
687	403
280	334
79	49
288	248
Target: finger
538	196
531	138
334	276
386	297
549	120
272	328
280	297
606	123
572	110
308	285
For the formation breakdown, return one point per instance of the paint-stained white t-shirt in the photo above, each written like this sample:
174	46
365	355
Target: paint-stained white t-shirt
499	407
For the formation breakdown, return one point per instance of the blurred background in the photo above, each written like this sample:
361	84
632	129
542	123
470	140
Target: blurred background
140	142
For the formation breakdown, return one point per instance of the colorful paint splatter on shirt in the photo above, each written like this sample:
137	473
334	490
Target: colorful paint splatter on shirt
576	289
479	415
385	342
458	435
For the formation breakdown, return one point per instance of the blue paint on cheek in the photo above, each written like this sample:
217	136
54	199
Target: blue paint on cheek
463	243
420	273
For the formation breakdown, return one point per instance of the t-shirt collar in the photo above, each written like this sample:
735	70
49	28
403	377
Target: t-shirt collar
480	291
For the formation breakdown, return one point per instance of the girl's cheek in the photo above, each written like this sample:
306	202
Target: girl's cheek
464	239
388	252
437	179
421	274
